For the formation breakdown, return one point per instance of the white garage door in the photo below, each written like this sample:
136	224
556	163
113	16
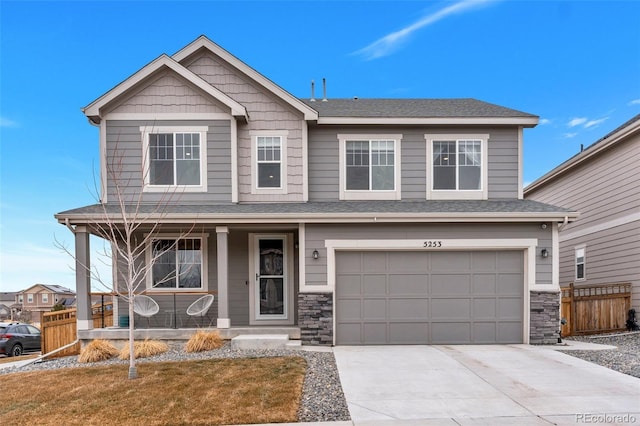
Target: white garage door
409	297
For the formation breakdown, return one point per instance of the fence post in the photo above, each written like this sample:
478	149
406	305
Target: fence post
572	307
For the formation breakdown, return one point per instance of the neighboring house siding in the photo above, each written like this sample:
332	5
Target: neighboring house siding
124	140
169	94
324	176
316	269
266	112
606	192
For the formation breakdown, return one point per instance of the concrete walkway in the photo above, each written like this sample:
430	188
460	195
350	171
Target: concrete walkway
481	385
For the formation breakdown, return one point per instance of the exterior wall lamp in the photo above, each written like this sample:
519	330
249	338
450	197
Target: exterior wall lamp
316	254
544	253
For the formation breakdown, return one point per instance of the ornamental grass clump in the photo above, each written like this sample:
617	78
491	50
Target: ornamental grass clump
204	341
144	349
97	350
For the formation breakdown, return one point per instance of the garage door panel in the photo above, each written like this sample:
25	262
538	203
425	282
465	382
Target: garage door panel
374	285
450	309
375	333
404	309
450	285
450	333
411	297
349	310
409	333
374	310
408	285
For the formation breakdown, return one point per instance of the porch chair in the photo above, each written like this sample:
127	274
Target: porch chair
200	307
145	307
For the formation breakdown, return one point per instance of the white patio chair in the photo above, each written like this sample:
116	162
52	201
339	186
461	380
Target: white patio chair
145	307
200	307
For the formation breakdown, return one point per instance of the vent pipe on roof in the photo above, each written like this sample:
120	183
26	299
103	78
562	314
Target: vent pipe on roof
324	89
581	147
313	91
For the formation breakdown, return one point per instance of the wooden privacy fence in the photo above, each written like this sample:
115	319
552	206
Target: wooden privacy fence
595	308
59	328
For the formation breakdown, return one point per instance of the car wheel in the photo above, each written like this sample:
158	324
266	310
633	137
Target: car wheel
16	350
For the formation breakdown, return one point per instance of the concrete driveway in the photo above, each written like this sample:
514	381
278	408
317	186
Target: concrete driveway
490	385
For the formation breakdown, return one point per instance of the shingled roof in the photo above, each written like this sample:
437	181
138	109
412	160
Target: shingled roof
412	108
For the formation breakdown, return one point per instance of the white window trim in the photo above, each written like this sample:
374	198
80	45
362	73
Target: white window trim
283	134
370	194
204	238
45	298
29	298
147	130
438	194
576	249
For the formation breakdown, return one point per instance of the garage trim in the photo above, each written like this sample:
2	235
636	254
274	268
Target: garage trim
528	245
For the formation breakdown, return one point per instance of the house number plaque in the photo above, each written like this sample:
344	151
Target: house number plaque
432	244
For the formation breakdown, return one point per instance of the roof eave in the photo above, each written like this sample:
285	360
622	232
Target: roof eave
509	121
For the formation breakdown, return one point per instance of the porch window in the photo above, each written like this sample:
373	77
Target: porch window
177	264
580	263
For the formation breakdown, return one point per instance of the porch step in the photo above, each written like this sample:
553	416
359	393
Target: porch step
260	341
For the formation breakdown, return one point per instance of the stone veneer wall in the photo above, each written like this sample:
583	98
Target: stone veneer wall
545	317
315	318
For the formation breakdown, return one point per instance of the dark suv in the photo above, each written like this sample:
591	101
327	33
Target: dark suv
15	338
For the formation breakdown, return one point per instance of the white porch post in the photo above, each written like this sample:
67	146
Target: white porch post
83	279
222	234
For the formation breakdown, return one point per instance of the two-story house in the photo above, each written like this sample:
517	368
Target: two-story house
352	221
40	298
603	183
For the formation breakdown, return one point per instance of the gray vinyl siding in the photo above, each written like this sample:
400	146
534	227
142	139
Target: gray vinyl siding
603	189
266	112
316	269
239	278
124	141
324	160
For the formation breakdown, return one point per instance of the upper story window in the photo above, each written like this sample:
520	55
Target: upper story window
20	298
177	263
175	157
370	167
580	263
45	298
269	162
457	167
29	298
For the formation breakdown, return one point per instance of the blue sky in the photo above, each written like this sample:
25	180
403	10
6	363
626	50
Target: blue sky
576	64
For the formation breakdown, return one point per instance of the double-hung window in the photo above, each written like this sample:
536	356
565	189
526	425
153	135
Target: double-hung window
457	166
580	263
177	263
175	157
269	162
370	167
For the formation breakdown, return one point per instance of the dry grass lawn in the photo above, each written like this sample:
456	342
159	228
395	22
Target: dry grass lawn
17	358
209	392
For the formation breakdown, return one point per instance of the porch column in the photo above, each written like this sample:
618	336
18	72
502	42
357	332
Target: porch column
222	234
83	279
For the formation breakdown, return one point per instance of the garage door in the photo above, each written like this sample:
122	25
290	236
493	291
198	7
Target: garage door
406	297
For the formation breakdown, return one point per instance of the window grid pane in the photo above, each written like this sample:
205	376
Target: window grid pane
457	165
269	153
177	264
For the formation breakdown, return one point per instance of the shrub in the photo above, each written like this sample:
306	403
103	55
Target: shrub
144	349
97	350
204	341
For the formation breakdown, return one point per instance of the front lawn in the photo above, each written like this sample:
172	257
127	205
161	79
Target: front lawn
208	392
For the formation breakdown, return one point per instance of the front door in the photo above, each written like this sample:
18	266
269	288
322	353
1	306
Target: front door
272	291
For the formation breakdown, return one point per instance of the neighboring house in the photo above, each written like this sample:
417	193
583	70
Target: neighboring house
41	298
6	300
354	221
603	183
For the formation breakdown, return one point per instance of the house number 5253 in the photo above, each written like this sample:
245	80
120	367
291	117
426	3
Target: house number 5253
432	244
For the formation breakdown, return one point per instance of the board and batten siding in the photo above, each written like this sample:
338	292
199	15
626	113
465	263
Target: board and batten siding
266	112
606	192
316	234
124	146
324	179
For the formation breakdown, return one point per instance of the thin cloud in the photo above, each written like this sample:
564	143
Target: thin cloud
544	121
635	102
389	43
5	122
577	121
570	135
593	123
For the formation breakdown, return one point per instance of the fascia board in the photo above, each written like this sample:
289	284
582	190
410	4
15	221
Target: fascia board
585	155
203	42
511	121
163	60
333	218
